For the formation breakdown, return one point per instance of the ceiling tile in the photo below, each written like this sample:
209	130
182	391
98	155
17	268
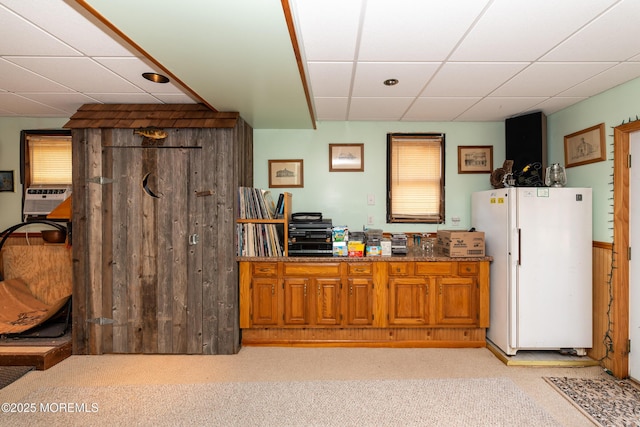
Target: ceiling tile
600	40
378	108
124	98
331	108
80	74
328	30
67	102
438	109
496	109
20	37
330	79
557	103
21	106
549	79
415	30
81	29
471	79
131	69
412	77
17	79
525	30
609	78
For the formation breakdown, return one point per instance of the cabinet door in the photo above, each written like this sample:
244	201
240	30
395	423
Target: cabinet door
264	301
408	301
296	301
456	301
327	301
360	301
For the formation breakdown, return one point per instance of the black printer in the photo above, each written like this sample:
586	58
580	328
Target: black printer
310	235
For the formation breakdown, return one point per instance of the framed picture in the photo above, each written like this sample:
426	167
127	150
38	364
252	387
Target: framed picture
346	157
6	181
475	159
585	146
286	173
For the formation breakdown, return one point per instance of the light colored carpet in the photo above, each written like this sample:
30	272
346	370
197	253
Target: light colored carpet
606	401
441	402
270	365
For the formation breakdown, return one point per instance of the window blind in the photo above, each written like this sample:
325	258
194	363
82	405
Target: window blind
415	178
50	160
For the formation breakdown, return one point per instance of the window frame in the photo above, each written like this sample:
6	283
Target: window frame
25	162
391	218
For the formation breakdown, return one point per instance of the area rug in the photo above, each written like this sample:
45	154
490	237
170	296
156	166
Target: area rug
433	402
9	374
606	401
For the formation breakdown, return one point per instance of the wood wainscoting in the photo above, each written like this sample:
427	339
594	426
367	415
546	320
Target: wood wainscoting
603	321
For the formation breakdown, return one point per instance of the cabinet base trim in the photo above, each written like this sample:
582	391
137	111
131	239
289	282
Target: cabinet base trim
370	337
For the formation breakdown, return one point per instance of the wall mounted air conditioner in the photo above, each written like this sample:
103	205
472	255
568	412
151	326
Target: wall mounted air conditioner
42	200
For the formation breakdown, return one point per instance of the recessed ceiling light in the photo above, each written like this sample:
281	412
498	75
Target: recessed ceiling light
391	82
155	77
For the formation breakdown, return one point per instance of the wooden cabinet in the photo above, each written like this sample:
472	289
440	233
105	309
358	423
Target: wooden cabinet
375	303
409	301
359	294
312	293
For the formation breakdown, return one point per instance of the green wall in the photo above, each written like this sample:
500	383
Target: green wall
342	196
612	108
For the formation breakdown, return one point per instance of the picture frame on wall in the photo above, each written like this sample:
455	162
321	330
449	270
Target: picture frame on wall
475	159
6	181
585	146
286	173
346	157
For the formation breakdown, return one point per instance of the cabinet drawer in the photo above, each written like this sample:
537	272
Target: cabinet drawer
315	269
400	268
264	268
359	269
434	268
468	268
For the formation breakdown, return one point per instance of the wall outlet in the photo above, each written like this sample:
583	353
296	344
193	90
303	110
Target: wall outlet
455	220
371	199
369	219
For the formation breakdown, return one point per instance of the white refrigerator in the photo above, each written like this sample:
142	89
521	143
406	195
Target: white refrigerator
540	239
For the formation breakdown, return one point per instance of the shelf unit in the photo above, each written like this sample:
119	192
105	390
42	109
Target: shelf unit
284	221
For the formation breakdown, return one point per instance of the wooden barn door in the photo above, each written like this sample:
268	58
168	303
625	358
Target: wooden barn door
152	290
154	251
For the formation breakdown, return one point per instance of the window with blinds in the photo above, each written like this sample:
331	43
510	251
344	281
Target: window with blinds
415	178
49	159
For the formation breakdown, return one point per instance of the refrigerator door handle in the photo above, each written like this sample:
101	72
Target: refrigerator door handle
519	247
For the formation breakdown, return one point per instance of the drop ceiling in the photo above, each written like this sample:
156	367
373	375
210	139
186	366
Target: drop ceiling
459	60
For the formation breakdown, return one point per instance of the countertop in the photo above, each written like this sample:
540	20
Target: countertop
408	257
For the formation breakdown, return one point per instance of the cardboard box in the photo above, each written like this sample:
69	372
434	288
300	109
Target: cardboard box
340	249
373	250
455	243
356	249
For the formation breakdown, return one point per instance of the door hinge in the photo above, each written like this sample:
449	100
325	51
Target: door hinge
100	180
101	321
629	161
629	253
628	346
